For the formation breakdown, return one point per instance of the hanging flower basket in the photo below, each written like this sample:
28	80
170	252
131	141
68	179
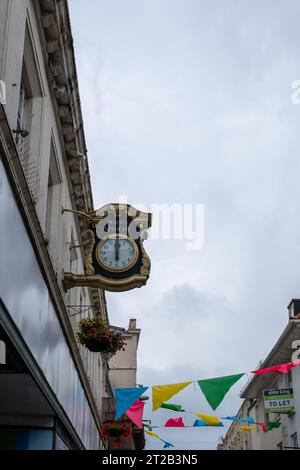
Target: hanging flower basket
95	334
97	345
115	430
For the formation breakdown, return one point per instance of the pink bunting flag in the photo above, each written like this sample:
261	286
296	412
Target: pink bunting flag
263	426
135	413
281	368
174	423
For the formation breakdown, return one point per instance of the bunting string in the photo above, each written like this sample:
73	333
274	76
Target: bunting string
214	389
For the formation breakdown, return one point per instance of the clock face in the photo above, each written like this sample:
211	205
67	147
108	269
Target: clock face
117	253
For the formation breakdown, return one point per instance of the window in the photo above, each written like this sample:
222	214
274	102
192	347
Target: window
22	135
22	438
53	215
28	131
294	440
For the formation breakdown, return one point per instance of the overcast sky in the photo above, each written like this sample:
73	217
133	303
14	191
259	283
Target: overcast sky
189	101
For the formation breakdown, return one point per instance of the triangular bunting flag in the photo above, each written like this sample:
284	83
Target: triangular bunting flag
273	425
167	444
174	423
162	393
263	426
210	420
246	428
215	389
200	423
172	406
281	368
152	434
125	397
240	420
135	413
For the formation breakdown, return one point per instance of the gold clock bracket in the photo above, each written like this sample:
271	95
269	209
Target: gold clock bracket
89	278
120	285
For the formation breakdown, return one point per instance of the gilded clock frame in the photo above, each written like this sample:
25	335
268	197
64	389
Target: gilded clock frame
90	279
113	236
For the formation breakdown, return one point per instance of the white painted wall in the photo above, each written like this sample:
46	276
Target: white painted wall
44	129
290	423
123	366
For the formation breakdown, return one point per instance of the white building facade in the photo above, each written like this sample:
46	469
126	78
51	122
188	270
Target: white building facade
287	435
51	388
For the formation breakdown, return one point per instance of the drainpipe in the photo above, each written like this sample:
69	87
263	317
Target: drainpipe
253	402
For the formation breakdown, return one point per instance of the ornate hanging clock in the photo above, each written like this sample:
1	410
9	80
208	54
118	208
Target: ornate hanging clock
116	260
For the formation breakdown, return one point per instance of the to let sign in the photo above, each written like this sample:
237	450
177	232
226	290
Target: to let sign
279	400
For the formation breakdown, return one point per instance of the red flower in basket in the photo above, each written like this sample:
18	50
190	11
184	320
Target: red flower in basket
95	334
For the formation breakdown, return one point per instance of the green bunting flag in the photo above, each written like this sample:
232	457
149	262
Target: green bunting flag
215	389
171	406
273	425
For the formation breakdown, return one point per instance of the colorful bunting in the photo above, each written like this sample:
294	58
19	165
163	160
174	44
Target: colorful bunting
152	434
135	413
156	436
167	444
125	397
201	423
174	423
215	389
246	428
172	406
162	393
263	426
281	368
240	420
178	423
247	420
273	425
210	420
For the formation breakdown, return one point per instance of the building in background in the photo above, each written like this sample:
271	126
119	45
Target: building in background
51	388
260	390
122	373
123	365
236	439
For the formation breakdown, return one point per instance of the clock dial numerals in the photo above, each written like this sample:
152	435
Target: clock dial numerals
116	253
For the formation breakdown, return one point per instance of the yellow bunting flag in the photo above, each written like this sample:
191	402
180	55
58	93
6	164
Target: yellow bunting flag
152	434
246	428
162	393
210	420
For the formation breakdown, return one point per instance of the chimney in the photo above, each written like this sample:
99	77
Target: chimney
132	323
294	309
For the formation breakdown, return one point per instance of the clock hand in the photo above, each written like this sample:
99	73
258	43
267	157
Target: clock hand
117	246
